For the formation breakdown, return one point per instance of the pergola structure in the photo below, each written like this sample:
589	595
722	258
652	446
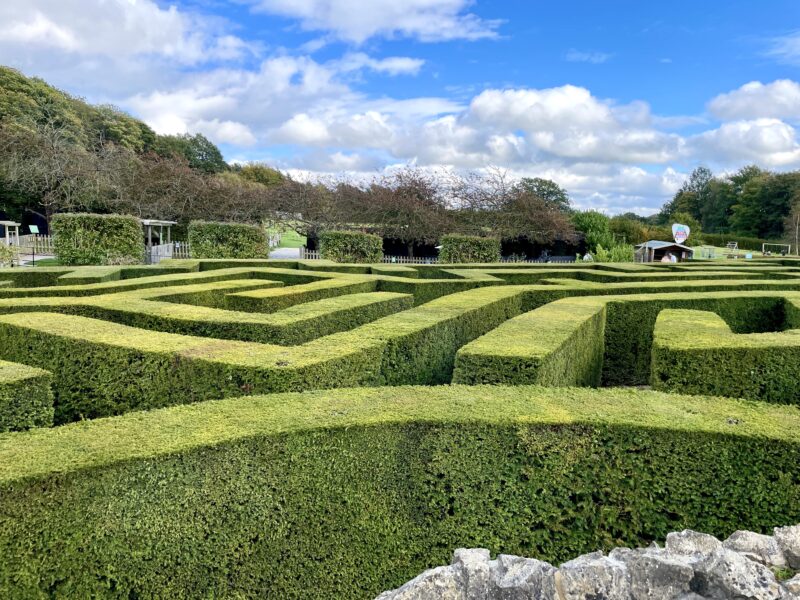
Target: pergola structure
11	229
149	224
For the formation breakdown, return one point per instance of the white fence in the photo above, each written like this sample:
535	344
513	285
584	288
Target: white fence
172	250
38	244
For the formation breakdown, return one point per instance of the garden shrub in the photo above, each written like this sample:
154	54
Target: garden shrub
345	493
135	369
696	351
8	255
618	253
90	239
558	344
469	249
350	247
227	240
25	397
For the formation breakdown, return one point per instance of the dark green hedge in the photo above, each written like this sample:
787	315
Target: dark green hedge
745	243
89	239
350	247
103	368
559	344
227	240
469	249
696	351
344	494
25	397
630	324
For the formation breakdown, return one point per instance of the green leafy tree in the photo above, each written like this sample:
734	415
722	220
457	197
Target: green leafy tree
716	213
553	194
691	197
765	201
695	227
627	230
596	228
260	173
198	150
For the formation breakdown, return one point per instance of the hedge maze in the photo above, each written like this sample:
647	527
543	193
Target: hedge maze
310	429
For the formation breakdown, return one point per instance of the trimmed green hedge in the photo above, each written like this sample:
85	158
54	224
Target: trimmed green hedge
745	243
350	247
135	369
343	494
227	240
469	249
558	344
25	397
696	351
89	239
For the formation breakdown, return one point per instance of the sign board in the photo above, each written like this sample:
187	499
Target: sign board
34	229
680	232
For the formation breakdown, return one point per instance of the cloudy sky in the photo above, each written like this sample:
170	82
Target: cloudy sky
616	100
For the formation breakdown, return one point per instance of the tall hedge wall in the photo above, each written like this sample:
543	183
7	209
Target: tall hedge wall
89	239
469	249
350	247
25	397
227	240
696	351
342	494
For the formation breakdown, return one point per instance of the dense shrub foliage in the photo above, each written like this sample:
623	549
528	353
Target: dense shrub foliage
469	249
25	397
227	240
89	239
346	480
350	247
690	345
342	494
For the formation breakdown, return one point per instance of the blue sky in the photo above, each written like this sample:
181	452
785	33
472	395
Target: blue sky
617	101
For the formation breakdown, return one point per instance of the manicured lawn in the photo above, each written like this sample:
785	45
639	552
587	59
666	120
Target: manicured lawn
289	237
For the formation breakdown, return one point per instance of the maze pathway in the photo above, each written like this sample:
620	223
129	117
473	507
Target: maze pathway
244	422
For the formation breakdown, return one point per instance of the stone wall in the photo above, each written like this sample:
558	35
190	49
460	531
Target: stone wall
691	566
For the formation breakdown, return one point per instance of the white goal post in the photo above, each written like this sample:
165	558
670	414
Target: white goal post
780	248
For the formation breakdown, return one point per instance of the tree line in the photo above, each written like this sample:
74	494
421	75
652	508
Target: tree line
59	153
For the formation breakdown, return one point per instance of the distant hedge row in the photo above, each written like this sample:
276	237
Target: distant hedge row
227	240
90	239
350	247
343	494
469	249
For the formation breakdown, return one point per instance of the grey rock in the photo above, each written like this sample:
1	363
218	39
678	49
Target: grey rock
788	539
655	575
756	546
592	576
727	574
518	578
474	570
440	583
691	543
793	585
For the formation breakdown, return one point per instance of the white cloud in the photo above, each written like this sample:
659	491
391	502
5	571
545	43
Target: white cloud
226	132
393	65
768	142
38	29
592	57
779	99
114	29
425	20
786	48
